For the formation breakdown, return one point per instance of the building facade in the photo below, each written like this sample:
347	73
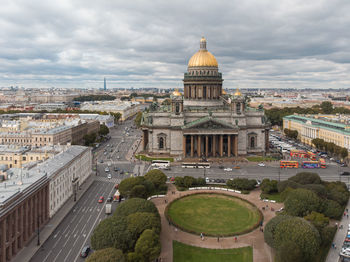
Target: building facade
204	121
330	128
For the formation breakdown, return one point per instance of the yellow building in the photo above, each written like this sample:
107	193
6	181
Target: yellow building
327	127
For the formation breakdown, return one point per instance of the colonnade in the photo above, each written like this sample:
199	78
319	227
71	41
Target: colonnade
210	145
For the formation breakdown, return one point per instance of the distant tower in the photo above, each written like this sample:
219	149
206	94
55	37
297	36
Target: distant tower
104	84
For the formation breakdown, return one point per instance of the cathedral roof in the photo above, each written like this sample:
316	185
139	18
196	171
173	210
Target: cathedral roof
176	93
208	119
237	93
203	58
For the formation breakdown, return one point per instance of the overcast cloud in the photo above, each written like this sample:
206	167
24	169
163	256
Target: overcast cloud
148	43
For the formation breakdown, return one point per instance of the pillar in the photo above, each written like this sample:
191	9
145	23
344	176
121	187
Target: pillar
228	145
236	145
192	145
214	146
184	145
221	144
206	146
199	146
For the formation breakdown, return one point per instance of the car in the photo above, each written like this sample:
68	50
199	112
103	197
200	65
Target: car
116	186
261	164
343	165
105	153
85	251
207	180
101	199
228	169
109	176
332	159
116	169
121	172
118	157
106	169
109	199
345	174
101	161
109	164
221	167
237	167
172	179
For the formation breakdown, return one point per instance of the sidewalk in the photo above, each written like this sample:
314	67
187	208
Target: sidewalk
333	254
27	252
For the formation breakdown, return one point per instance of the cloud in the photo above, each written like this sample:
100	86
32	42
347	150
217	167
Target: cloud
148	43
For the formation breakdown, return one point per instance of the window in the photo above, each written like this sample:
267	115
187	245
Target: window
238	108
161	143
252	142
177	108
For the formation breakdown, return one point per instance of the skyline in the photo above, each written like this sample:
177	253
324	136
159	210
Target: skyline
290	44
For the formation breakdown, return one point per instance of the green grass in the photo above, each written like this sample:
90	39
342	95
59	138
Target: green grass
260	158
213	215
146	158
186	253
273	196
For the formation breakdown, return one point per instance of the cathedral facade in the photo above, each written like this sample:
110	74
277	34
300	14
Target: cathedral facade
204	121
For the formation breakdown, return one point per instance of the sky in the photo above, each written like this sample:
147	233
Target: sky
258	44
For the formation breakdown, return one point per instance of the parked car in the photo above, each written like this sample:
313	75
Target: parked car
345	174
261	164
101	199
228	169
85	251
109	199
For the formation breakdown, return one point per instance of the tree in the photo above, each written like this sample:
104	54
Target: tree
140	221
138	119
327	107
281	186
89	139
104	130
134	205
242	183
343	152
270	229
300	232
147	247
268	186
157	177
107	255
300	202
126	187
138	191
318	220
289	252
332	209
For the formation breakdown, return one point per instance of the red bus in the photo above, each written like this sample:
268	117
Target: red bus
312	156
289	164
322	163
299	153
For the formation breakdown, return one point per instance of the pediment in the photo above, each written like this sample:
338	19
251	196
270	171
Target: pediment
208	123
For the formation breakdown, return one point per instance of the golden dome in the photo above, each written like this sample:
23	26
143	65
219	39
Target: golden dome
223	92
237	93
177	93
203	57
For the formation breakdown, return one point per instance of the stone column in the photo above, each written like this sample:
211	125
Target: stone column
214	146
199	146
221	144
228	145
3	240
184	145
206	146
236	145
192	145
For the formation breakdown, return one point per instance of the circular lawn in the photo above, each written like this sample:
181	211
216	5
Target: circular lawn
213	214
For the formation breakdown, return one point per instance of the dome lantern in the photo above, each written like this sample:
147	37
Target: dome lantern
203	58
203	44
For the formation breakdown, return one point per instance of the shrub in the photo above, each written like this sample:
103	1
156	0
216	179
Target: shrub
241	183
305	178
107	255
268	186
332	209
318	220
281	186
300	202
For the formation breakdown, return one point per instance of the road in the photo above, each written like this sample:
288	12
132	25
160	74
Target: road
74	232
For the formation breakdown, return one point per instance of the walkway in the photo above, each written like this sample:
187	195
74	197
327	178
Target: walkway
333	254
261	251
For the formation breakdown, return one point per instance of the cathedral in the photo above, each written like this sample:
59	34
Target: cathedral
204	121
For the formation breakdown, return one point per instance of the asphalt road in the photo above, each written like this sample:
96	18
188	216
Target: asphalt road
74	232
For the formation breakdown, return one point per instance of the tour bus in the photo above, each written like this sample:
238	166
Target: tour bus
196	165
299	153
289	164
161	164
116	196
310	164
322	163
312	156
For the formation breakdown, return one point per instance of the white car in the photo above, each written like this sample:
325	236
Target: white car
261	164
109	176
228	169
106	169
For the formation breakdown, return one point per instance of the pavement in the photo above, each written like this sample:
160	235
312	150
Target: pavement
261	252
333	254
28	252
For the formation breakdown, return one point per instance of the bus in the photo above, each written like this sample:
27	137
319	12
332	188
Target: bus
196	165
116	196
161	164
322	163
312	156
289	164
299	153
310	164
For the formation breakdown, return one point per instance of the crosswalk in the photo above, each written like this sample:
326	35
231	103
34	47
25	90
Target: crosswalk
105	179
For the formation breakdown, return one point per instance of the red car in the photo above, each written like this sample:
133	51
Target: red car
101	199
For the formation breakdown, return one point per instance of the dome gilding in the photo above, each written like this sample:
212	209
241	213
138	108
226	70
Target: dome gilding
203	58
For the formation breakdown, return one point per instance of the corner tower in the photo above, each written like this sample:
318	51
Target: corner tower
203	81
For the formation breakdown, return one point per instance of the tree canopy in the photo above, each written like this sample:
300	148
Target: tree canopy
301	202
157	177
134	205
104	130
107	255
